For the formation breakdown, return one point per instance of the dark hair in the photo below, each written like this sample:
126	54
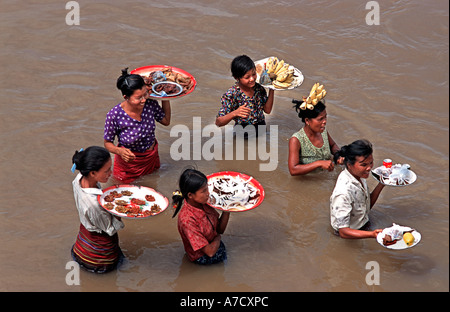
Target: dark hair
128	83
92	158
191	180
241	65
353	150
309	113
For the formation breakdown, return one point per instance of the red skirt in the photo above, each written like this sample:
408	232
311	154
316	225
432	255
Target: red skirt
145	163
97	252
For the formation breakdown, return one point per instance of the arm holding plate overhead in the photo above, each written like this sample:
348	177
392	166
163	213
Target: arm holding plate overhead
375	193
269	103
167	113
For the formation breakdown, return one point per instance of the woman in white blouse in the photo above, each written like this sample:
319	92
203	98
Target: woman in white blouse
97	245
351	201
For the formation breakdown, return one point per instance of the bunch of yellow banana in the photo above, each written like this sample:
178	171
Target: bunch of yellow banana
283	74
317	93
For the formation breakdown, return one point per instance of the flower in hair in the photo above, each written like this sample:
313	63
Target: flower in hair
317	93
178	193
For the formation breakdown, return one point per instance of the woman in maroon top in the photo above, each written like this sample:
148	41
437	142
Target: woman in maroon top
199	225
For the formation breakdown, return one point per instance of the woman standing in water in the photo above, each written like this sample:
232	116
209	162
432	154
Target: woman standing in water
200	226
133	121
312	147
97	246
246	101
351	202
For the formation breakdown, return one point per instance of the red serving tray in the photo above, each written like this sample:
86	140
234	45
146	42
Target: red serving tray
146	70
253	182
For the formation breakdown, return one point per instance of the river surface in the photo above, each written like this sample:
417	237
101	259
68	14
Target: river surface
388	83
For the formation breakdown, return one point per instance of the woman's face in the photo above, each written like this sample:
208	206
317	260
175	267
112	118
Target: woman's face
201	196
139	96
249	79
318	124
362	167
104	173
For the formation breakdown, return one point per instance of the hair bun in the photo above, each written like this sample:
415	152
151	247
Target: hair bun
125	72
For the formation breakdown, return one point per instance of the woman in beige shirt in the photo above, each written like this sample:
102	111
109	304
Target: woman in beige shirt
351	201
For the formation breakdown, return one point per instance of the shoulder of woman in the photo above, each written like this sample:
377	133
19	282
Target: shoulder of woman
294	141
300	134
209	209
151	102
187	220
114	110
297	134
231	91
260	88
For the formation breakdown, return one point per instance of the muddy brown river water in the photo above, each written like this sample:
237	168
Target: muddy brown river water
387	83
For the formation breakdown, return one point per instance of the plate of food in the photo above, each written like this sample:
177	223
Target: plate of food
397	175
168	87
153	74
398	237
234	191
132	201
276	74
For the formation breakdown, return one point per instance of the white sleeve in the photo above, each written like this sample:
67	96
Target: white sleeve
340	210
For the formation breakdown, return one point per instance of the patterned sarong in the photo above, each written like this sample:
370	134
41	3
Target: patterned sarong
96	252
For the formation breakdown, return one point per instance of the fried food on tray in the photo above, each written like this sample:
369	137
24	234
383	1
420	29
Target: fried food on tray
138	201
121	202
155	208
142	205
121	209
116	194
109	206
153	77
109	198
133	210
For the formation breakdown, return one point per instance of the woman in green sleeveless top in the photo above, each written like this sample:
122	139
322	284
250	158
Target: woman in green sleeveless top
312	147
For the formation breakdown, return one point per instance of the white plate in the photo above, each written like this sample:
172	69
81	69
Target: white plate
139	192
180	88
298	77
400	244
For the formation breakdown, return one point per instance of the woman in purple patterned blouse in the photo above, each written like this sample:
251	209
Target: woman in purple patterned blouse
246	101
133	121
